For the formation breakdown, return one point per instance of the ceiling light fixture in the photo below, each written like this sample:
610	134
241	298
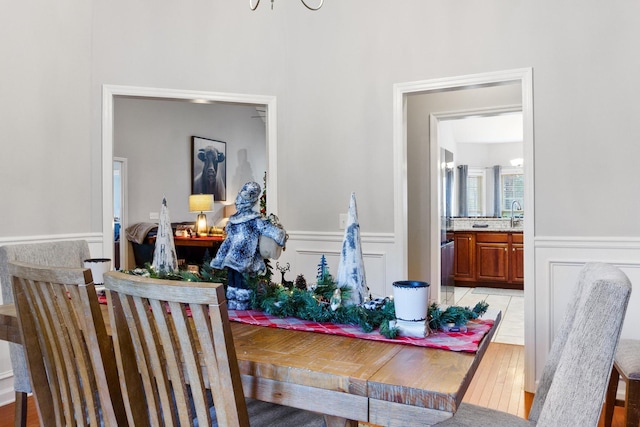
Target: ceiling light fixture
254	7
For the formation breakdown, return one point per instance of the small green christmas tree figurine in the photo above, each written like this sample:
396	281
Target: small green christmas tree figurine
323	270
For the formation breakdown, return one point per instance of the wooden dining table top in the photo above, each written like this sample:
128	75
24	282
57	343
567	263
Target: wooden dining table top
347	378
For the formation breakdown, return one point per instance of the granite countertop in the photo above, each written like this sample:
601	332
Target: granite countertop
487	224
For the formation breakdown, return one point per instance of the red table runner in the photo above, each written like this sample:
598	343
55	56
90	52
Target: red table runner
454	341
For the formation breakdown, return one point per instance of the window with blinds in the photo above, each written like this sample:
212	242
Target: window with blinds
512	189
476	182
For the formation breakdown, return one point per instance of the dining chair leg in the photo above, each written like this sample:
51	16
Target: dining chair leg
20	418
610	400
632	402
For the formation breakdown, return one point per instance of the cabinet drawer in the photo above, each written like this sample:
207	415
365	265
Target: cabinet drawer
516	238
492	237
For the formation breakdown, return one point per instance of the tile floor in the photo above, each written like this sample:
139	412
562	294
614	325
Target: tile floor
511	329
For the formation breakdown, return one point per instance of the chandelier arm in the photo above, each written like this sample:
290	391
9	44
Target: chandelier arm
309	7
256	6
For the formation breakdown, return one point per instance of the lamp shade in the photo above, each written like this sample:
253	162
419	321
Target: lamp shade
201	203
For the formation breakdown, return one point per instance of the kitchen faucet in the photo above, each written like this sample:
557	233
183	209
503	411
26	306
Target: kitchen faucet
518	206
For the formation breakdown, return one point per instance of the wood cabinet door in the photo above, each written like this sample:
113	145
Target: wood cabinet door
464	260
517	263
493	262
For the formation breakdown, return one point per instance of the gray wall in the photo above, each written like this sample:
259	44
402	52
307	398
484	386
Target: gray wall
332	72
155	137
45	123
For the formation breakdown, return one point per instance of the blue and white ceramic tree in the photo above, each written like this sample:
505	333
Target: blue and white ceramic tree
164	255
351	268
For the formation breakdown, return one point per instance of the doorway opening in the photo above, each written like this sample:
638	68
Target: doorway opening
481	242
426	159
267	104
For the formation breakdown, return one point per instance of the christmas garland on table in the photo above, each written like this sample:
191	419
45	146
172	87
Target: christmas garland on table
315	304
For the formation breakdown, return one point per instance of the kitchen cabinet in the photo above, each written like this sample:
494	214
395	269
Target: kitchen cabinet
489	257
492	253
464	260
516	260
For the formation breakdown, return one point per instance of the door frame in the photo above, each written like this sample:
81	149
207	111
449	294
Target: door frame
124	207
524	76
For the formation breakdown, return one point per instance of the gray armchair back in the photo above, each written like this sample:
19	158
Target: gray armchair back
574	380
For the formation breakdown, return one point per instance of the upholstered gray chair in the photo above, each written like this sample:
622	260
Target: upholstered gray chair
60	254
574	380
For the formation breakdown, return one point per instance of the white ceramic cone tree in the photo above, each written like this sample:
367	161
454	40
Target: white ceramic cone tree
351	268
164	255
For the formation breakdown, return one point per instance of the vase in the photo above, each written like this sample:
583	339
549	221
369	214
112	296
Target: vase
411	300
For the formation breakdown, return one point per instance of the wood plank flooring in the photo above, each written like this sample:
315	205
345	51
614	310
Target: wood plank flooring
498	384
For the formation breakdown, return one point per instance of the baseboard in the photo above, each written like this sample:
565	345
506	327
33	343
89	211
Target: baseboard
7	395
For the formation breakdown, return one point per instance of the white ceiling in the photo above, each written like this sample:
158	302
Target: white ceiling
492	129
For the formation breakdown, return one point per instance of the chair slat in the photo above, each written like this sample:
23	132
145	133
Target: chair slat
140	412
184	340
46	320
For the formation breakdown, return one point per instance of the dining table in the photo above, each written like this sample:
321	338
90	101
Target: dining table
347	379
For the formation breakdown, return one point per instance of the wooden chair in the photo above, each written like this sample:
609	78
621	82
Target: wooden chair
180	336
572	388
69	355
626	366
68	253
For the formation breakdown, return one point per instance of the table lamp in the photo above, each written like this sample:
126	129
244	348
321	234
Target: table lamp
201	203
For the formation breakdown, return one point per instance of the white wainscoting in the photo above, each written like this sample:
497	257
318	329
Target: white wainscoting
305	249
7	394
558	261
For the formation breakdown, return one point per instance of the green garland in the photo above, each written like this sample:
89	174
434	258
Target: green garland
314	305
207	274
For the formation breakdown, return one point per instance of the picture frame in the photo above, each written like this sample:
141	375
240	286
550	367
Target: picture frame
209	167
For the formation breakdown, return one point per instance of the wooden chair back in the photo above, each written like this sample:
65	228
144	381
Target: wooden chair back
180	336
69	355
